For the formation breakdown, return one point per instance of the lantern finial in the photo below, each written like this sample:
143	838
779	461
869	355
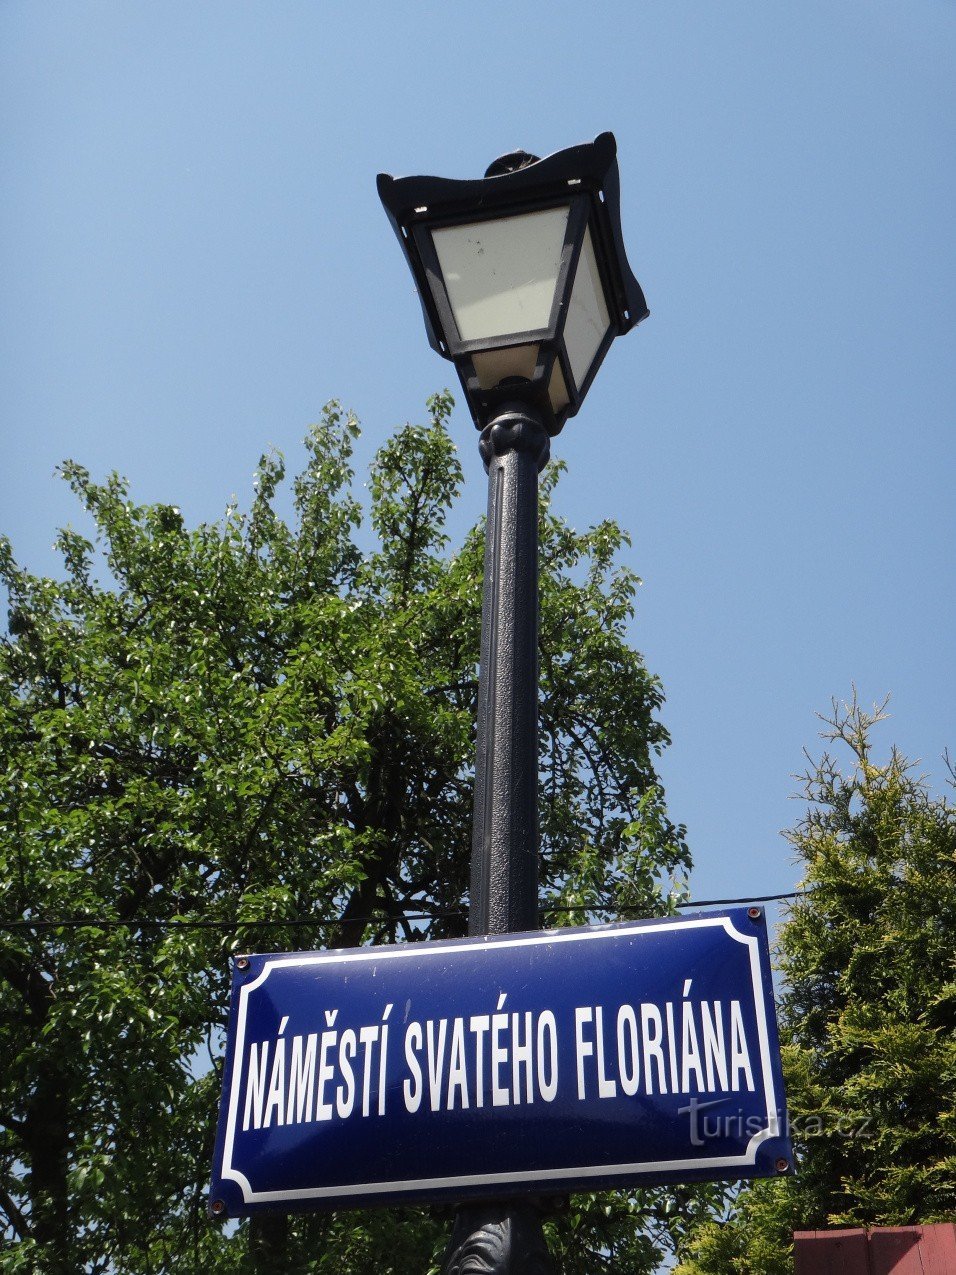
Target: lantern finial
513	162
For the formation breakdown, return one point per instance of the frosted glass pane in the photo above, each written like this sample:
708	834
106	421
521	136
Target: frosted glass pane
588	319
557	390
492	366
501	275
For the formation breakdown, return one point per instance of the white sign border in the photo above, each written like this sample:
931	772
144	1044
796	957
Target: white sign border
408	1186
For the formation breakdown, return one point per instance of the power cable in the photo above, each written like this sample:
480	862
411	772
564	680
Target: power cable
147	923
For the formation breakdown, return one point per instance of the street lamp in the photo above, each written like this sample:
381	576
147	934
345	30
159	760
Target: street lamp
524	284
522	275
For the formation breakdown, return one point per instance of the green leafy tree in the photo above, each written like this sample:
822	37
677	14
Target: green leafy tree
868	1013
258	735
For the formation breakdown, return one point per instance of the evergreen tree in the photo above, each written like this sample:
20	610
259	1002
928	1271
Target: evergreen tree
868	1014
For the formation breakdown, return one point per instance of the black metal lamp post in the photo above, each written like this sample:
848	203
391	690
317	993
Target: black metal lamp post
524	284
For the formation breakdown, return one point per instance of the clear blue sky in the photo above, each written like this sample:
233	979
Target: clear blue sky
193	259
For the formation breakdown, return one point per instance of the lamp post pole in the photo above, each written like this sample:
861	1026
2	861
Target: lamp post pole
504	1237
515	447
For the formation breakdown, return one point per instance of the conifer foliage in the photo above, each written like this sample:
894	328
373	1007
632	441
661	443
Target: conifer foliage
868	1011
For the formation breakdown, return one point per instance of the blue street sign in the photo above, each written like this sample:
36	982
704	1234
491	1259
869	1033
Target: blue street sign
544	1062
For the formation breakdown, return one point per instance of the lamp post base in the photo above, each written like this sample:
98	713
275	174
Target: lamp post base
498	1238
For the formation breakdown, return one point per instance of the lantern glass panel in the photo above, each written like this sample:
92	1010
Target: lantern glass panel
557	389
501	274
588	319
493	366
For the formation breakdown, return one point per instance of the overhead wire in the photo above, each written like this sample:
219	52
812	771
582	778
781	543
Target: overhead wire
175	923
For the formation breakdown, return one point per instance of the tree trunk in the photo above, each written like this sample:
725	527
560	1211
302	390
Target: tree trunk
46	1148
